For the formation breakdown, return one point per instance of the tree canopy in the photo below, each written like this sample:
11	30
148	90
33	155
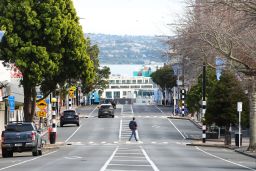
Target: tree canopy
222	102
164	77
47	44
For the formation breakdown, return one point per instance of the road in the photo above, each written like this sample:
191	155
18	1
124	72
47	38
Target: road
101	144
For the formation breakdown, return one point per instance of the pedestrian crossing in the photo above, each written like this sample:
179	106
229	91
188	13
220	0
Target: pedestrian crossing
106	143
137	116
129	158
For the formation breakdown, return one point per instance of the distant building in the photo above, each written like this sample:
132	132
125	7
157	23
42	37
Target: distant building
129	87
145	72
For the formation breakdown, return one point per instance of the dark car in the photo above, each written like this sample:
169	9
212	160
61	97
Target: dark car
106	110
69	117
20	137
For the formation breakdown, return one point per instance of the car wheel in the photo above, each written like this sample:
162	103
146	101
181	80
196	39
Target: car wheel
113	116
5	153
40	152
35	151
78	124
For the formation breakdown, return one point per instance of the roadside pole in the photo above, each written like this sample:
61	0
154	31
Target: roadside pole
53	132
239	109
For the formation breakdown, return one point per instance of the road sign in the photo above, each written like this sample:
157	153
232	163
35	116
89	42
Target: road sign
41	104
239	106
41	113
71	91
11	100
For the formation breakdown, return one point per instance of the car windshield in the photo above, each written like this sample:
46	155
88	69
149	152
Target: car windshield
68	113
105	107
19	127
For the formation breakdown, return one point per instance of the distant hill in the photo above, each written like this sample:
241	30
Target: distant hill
116	49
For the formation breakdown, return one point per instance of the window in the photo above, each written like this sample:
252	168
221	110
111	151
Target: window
114	86
124	93
134	81
123	81
139	81
111	81
108	94
128	81
135	86
118	81
124	86
116	94
146	86
146	81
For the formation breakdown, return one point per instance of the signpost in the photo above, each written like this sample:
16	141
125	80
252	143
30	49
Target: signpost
239	109
11	100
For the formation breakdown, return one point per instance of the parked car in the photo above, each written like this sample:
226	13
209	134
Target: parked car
69	116
106	110
20	137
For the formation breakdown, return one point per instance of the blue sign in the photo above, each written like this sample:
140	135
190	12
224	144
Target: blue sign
11	100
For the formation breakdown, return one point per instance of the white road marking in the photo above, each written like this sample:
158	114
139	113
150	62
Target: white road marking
73	134
177	129
120	129
73	157
149	160
132	109
108	161
93	111
26	161
159	109
224	159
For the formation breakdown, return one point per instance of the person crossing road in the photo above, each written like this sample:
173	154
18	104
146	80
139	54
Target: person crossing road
133	126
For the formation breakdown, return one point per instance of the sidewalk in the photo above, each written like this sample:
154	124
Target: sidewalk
218	142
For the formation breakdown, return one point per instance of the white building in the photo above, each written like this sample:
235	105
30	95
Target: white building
129	87
9	86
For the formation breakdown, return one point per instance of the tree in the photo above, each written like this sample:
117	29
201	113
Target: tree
225	29
46	42
100	80
194	95
165	78
222	103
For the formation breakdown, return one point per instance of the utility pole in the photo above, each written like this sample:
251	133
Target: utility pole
204	103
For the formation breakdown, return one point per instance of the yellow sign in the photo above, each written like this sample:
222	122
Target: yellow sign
41	104
41	114
71	91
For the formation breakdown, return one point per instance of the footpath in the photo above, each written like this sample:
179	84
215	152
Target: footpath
219	143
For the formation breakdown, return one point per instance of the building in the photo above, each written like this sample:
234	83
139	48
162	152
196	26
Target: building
9	86
129	87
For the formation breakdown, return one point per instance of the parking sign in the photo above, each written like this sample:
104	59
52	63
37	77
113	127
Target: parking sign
11	100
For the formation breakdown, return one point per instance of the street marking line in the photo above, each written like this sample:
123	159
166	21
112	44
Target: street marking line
149	160
7	167
93	111
73	134
159	109
228	161
120	129
132	109
177	129
108	161
130	165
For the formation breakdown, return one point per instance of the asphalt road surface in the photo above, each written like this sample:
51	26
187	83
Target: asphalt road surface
101	144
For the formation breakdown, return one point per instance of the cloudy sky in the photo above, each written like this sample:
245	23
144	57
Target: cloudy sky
128	17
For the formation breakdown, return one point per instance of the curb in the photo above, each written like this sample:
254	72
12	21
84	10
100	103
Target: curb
186	118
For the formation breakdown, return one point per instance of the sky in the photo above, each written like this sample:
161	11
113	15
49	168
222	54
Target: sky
129	17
